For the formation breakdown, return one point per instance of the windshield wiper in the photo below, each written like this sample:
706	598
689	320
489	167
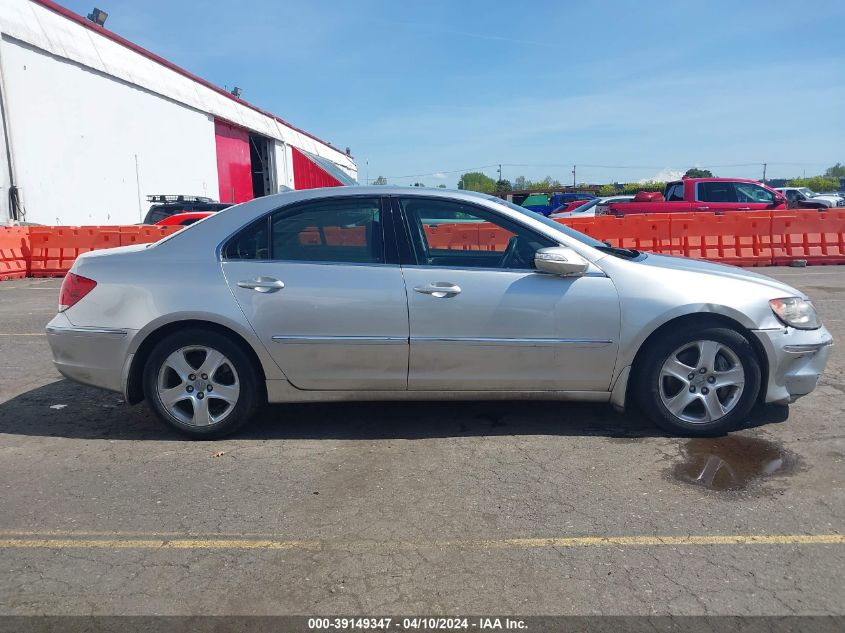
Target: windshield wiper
628	253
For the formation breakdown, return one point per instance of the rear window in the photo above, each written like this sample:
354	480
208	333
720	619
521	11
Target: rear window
675	192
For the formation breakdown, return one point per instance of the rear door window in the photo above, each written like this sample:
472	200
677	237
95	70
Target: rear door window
338	230
719	191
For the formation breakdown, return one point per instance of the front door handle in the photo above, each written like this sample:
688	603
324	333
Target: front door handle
743	208
262	284
439	289
702	208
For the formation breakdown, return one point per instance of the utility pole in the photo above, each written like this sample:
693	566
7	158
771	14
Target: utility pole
764	173
573	176
500	171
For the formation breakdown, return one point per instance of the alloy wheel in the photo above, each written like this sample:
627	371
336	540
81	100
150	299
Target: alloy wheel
701	381
198	386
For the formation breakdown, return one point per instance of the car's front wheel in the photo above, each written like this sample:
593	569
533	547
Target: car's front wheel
201	383
699	382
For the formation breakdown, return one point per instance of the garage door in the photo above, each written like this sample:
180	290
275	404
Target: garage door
234	172
308	174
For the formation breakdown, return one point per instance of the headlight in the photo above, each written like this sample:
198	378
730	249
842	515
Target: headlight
796	312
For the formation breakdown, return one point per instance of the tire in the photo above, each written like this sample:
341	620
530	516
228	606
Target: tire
719	399
202	408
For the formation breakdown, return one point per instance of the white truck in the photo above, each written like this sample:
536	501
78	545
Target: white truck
804	197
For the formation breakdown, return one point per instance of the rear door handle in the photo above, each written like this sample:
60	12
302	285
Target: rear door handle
439	289
743	208
262	284
702	208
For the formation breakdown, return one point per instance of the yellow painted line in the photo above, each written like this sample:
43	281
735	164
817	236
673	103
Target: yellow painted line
707	539
193	543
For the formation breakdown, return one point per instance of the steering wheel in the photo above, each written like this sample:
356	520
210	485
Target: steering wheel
509	257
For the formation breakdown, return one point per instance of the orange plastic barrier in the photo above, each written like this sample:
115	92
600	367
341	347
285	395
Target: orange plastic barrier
55	248
587	226
641	232
464	237
818	237
739	238
438	236
493	238
14	252
143	233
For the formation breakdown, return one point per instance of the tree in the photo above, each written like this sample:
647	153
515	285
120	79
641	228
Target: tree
837	171
476	181
519	183
695	172
441	186
816	183
504	185
631	188
381	180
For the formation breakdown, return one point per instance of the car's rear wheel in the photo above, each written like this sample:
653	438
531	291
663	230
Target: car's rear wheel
201	384
699	382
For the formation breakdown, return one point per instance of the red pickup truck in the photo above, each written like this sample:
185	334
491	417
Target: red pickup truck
714	195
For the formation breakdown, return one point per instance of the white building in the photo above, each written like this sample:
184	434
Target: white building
92	124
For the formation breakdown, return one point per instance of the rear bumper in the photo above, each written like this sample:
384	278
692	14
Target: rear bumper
92	356
796	360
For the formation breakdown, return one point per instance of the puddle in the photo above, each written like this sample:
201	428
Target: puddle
732	462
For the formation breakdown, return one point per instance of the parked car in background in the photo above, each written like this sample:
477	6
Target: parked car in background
806	198
184	219
166	205
570	206
545	204
833	194
588	208
326	294
604	203
715	195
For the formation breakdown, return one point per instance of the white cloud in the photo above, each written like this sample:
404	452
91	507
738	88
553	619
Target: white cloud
665	175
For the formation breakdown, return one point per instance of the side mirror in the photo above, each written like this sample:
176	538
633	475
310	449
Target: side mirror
559	260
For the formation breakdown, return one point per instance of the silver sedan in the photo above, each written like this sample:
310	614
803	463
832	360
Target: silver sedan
373	293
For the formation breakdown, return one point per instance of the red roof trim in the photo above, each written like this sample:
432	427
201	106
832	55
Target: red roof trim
88	24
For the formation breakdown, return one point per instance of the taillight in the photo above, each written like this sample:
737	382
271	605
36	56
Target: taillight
74	288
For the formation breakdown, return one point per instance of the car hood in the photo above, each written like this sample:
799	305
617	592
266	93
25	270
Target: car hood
719	270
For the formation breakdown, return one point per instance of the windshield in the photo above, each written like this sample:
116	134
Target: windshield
808	192
584	239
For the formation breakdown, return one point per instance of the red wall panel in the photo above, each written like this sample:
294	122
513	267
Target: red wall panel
234	170
308	175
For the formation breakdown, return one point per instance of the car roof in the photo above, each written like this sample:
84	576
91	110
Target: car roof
715	179
227	222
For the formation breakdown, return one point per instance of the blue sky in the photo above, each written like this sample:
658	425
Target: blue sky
624	89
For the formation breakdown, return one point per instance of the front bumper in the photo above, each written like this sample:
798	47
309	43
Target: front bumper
92	356
796	360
